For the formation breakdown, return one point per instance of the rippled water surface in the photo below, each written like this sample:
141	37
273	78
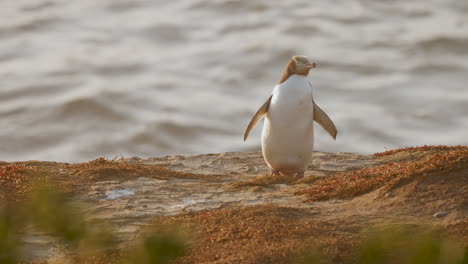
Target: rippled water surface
82	79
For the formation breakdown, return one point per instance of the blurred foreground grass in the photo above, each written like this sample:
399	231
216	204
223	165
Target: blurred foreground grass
400	244
53	213
410	244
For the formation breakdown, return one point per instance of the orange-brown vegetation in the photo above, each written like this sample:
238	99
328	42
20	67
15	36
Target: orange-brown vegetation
460	229
421	181
12	174
16	178
262	234
260	181
15	181
103	169
350	184
425	148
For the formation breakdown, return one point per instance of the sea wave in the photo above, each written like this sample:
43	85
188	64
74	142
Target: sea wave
83	79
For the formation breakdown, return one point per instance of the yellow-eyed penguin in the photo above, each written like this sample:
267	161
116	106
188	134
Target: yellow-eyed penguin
288	132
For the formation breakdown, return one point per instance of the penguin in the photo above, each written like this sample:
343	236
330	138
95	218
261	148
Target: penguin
290	111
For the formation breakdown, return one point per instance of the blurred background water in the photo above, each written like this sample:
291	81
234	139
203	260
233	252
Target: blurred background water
83	79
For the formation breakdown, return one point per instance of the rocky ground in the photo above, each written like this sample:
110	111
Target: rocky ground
241	214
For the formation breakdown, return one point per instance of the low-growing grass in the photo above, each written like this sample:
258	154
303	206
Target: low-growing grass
267	181
102	169
420	149
350	184
260	181
274	234
17	180
51	212
410	244
257	234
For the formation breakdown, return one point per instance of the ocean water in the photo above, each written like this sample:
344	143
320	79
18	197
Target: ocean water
84	79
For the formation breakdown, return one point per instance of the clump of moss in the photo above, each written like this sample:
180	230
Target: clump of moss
257	234
13	174
350	184
12	179
460	229
274	234
425	148
260	181
102	169
16	181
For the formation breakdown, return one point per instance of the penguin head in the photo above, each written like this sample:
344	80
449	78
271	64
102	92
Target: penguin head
302	65
299	65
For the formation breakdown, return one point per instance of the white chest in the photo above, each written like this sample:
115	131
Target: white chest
288	136
291	103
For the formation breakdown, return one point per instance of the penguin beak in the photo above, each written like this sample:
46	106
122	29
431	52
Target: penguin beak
311	65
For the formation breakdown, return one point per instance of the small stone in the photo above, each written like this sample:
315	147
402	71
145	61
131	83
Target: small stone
133	159
440	214
256	189
389	195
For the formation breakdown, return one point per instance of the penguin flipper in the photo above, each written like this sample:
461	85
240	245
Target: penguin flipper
322	118
257	117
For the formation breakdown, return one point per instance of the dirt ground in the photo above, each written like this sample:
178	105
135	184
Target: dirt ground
240	214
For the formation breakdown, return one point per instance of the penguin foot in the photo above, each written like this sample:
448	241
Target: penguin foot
300	175
275	173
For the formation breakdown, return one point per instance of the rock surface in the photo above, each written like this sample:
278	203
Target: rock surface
238	181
